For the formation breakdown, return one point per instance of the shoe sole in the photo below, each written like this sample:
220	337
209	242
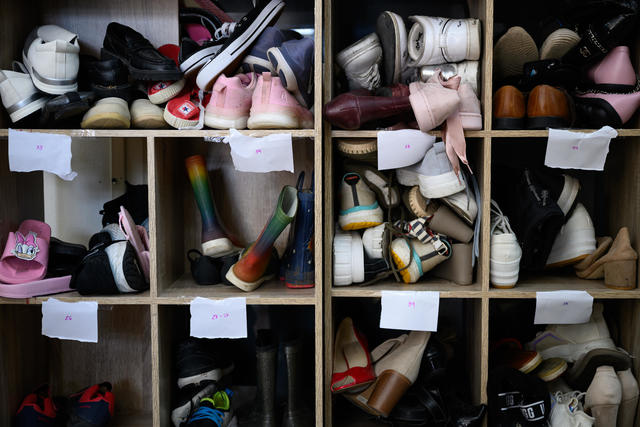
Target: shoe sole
106	121
167	93
388	32
230	57
531	364
438	186
582	372
246	286
218	247
546	122
277	121
360	219
552	374
508	123
213	375
217	122
30	108
401	252
177	122
140	74
347	246
148	122
286	74
580	244
196	61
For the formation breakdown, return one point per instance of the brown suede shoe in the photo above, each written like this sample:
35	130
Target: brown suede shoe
350	111
508	108
548	107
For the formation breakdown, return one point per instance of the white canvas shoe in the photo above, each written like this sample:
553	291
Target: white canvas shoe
361	63
505	251
19	96
434	40
348	258
575	241
51	54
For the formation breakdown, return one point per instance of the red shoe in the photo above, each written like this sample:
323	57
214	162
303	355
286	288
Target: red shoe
37	409
508	351
161	92
352	367
92	406
184	110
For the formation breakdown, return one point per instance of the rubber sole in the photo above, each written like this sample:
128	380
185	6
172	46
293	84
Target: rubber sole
504	275
141	74
531	364
582	372
177	122
438	186
149	121
218	122
106	121
167	93
546	122
288	120
361	219
401	255
508	123
198	60
246	286
28	109
389	34
218	247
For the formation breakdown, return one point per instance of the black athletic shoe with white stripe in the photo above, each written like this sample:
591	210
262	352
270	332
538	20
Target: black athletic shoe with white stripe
199	361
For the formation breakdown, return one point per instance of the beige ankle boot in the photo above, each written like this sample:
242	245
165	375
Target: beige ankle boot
397	371
604	396
627	411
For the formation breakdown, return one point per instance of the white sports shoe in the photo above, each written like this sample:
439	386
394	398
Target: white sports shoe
19	96
348	258
51	54
575	241
505	251
361	63
434	40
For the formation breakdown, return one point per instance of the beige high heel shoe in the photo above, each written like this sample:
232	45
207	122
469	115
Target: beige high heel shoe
587	268
604	396
627	410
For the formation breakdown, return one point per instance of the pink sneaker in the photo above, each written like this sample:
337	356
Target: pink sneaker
230	101
432	102
273	107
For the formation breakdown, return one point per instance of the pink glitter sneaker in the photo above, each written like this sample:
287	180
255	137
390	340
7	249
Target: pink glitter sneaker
273	107
230	101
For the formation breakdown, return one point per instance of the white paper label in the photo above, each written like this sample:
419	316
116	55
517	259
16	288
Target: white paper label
400	148
70	320
563	307
35	151
410	310
578	150
267	154
225	318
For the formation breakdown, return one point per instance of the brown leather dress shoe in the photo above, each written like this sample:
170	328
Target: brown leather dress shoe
548	107
508	108
352	110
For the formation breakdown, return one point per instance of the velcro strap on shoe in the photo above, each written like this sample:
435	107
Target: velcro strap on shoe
533	411
509	400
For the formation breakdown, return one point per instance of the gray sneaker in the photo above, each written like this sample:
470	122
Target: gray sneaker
434	174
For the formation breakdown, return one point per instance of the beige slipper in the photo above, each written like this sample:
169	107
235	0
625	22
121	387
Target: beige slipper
558	43
458	268
514	49
362	149
107	113
146	115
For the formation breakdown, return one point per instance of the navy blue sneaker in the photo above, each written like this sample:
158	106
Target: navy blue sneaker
257	60
37	409
293	62
297	263
92	407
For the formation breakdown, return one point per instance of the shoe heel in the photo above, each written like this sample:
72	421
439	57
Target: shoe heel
605	415
389	390
620	274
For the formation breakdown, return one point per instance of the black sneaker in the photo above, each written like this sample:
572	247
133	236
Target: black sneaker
246	32
135	200
189	399
563	188
105	78
198	361
136	52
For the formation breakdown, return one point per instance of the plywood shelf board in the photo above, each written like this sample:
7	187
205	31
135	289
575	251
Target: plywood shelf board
164	133
446	288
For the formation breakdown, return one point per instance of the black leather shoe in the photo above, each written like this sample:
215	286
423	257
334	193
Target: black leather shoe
137	53
107	78
548	72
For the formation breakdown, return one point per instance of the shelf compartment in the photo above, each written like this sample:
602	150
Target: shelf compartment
446	288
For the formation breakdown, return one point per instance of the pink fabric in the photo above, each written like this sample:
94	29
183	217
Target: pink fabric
26	253
432	103
53	285
138	238
625	104
470	109
198	33
615	68
271	97
452	132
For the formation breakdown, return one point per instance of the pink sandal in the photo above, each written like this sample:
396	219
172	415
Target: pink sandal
139	239
53	285
26	254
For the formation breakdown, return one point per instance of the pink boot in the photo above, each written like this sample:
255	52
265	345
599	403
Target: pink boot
432	103
470	112
230	101
273	107
614	73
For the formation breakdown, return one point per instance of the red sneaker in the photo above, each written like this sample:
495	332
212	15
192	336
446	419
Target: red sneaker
184	110
37	409
161	92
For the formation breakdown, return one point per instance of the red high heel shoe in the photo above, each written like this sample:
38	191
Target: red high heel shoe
352	367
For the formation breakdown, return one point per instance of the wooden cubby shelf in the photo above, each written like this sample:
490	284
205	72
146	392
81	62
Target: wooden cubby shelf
163	133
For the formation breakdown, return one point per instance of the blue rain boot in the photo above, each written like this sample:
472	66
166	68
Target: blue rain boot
293	62
298	263
257	60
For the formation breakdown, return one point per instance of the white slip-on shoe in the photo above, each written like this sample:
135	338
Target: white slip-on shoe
51	54
361	63
575	241
19	96
393	37
146	115
505	251
358	205
348	258
435	40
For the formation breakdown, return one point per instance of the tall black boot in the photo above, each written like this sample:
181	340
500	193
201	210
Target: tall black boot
263	413
296	413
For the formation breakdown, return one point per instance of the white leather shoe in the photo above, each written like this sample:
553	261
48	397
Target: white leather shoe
361	63
505	253
19	96
51	54
575	241
434	40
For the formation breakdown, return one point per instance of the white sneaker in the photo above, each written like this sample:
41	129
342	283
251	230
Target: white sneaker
51	54
146	115
571	342
358	205
465	206
348	258
434	174
567	411
434	40
505	251
575	241
19	96
372	241
361	63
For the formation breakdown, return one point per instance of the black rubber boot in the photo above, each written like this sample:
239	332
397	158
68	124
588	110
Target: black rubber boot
263	413
296	414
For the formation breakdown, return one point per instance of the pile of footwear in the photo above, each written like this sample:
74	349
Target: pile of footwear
581	76
427	225
402	379
92	406
429	74
134	84
542	225
547	380
223	260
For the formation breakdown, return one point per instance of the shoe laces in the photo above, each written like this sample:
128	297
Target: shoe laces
498	220
206	413
370	79
225	31
543	197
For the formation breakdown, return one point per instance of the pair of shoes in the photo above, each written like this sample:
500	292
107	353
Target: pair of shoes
114	113
296	411
516	48
546	107
612	397
617	266
254	101
207	270
358	258
92	406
